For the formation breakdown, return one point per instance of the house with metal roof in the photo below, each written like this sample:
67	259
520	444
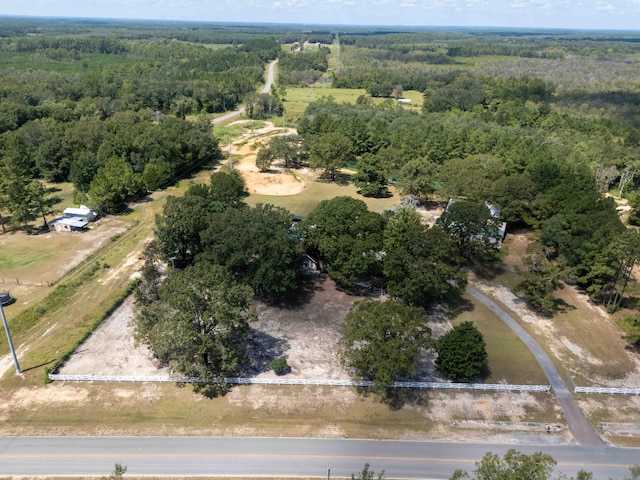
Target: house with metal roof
73	219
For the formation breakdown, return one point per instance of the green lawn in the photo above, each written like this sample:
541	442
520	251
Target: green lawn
509	359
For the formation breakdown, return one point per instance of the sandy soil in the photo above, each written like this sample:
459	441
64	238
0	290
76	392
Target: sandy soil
308	336
278	181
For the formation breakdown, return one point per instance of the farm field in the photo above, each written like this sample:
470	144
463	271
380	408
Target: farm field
297	98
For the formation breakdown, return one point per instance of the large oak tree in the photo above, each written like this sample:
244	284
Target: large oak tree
348	237
382	340
198	324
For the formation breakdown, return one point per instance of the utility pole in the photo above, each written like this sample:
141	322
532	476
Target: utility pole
230	156
13	350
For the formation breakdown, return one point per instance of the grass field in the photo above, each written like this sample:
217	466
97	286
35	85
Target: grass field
297	99
581	338
508	359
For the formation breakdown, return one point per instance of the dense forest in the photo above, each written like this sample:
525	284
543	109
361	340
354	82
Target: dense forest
508	119
108	113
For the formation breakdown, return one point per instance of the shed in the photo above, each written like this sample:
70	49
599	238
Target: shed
310	264
69	224
84	212
73	219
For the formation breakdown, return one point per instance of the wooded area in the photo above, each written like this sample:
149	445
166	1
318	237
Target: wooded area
510	120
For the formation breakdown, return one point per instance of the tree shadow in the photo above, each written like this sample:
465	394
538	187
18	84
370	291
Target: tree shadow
340	178
386	194
631	302
560	306
397	398
490	270
485	371
262	349
457	304
308	285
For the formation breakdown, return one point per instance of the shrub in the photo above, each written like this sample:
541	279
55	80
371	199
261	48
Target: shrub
631	327
279	366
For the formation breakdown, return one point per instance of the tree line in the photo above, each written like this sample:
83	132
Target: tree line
471	152
109	115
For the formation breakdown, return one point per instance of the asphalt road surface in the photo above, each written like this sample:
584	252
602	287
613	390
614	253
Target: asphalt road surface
281	457
265	89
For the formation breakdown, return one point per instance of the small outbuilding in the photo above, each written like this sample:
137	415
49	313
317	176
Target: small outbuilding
73	219
310	264
83	212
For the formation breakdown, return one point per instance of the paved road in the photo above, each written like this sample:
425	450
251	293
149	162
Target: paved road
265	89
198	456
576	420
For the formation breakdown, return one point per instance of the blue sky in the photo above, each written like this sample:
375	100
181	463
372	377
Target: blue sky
598	14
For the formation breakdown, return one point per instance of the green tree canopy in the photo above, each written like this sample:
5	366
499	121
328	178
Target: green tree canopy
257	247
348	236
541	279
513	466
178	228
371	178
367	474
227	188
382	340
330	152
461	353
421	264
199	325
473	227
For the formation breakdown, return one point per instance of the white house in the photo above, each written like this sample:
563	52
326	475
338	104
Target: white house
84	212
73	219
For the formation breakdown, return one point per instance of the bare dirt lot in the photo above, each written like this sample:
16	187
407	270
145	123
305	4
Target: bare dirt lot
308	336
277	181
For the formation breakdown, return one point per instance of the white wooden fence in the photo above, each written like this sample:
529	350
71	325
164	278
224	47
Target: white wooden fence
608	390
301	381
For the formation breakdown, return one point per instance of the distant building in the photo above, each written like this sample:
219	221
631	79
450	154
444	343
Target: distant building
73	219
406	101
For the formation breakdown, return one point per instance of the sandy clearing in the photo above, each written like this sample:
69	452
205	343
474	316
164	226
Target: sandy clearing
279	180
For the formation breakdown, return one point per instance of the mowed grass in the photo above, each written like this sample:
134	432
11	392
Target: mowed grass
317	191
298	98
509	360
585	340
164	409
